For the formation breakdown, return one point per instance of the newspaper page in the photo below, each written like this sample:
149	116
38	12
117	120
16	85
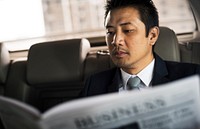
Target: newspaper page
173	105
18	115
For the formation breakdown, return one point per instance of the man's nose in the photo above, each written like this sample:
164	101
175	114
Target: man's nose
118	39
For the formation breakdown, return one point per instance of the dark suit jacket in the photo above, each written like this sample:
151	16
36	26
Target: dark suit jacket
164	71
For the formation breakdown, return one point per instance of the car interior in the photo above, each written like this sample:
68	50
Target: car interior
52	72
46	78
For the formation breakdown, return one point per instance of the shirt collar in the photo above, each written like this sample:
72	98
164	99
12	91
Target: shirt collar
145	75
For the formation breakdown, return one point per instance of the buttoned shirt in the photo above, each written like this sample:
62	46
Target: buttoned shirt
145	76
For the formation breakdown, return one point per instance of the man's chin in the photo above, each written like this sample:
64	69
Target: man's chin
120	64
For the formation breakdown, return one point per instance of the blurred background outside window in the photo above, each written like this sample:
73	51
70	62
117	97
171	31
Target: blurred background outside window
26	19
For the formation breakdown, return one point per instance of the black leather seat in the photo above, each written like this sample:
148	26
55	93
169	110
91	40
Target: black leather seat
4	66
52	74
190	52
4	69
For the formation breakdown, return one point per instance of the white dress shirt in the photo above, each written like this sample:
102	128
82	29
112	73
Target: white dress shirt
145	76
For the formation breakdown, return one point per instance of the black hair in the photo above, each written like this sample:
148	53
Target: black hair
146	8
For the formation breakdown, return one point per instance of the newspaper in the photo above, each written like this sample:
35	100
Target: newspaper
173	105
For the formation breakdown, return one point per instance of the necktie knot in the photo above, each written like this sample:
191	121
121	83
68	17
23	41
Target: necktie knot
133	83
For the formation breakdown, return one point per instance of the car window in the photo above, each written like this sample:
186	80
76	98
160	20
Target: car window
176	14
28	19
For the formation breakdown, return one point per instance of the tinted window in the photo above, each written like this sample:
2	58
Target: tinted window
76	18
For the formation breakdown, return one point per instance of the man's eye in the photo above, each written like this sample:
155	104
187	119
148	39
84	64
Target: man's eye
109	33
128	31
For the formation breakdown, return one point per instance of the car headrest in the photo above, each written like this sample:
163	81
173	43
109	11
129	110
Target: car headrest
167	45
57	61
4	62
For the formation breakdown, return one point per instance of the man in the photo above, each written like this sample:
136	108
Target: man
132	29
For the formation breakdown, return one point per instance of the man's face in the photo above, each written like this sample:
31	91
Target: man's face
126	38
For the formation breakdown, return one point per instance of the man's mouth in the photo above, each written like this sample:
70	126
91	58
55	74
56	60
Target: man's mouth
120	54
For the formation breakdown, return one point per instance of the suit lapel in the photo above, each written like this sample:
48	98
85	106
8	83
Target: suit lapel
160	71
116	82
159	75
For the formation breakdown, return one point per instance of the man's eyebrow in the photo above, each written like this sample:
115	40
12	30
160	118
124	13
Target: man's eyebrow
126	23
121	24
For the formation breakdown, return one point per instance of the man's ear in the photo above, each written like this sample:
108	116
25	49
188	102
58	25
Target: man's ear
153	35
